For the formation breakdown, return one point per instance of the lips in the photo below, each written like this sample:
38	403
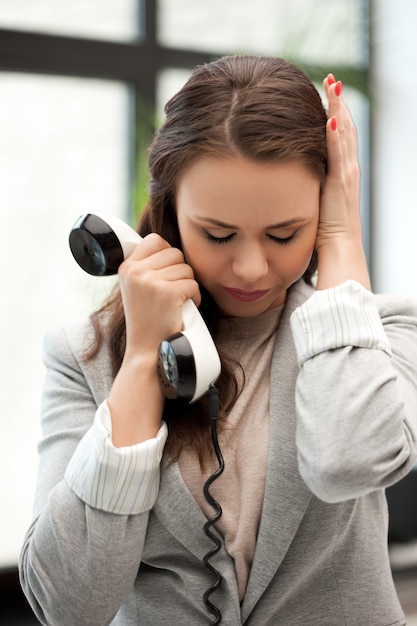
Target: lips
241	295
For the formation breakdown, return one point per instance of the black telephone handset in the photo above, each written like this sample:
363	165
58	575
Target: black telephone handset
188	362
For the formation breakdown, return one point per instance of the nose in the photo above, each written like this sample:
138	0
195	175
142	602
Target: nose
250	264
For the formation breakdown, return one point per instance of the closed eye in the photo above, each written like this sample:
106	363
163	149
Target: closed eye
283	241
219	240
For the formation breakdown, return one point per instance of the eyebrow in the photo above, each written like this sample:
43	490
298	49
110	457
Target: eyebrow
285	224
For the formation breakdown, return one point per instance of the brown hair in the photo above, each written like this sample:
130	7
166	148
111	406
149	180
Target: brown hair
262	108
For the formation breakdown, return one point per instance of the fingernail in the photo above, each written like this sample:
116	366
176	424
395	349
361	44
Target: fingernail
330	79
333	124
338	88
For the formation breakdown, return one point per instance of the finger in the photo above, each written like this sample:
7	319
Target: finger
171	273
189	290
336	105
342	163
150	257
334	148
149	245
329	80
338	108
175	286
177	282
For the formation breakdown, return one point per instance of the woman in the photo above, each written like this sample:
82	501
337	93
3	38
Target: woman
253	187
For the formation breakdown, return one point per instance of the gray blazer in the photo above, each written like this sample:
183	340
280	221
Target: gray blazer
317	562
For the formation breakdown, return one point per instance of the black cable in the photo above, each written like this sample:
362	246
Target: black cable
213	400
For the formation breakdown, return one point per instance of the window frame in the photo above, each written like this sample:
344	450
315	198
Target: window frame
136	62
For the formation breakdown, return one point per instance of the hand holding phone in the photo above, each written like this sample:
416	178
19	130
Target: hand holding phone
188	361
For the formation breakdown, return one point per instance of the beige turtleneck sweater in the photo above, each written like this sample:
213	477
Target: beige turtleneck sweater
243	442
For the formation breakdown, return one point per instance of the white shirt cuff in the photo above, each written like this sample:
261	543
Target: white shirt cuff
118	480
345	315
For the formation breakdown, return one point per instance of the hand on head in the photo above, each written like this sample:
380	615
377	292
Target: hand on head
339	237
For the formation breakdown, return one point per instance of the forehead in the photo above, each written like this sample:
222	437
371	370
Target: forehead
234	188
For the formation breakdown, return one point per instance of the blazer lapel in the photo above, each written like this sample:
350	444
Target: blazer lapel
286	495
179	512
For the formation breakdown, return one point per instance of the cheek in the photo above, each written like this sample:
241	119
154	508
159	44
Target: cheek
298	260
202	259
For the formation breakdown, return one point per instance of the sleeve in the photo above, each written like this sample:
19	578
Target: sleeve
74	549
117	480
356	391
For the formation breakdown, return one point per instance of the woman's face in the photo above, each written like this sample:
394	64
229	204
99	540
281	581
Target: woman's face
248	229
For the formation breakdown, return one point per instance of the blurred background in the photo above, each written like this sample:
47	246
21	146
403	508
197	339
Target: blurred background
82	89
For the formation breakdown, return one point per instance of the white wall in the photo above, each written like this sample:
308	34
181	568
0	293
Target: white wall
394	146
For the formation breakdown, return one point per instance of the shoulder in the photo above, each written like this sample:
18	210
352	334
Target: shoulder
71	338
66	346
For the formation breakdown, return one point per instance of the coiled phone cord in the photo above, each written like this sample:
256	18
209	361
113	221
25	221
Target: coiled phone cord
213	400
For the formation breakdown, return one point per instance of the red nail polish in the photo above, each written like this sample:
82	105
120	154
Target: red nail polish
333	124
338	88
330	79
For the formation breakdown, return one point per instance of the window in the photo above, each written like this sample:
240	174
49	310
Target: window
96	19
315	30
